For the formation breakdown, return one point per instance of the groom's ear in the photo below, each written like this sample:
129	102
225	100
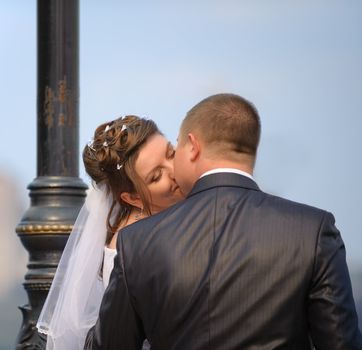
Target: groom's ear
195	146
132	198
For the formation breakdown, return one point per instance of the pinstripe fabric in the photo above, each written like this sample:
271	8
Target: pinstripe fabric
231	267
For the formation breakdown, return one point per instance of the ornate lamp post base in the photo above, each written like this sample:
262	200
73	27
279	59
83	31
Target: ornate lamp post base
44	230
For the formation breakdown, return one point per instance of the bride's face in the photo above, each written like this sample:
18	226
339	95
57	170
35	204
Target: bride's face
155	166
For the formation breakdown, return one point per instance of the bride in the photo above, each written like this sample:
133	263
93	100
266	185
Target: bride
130	163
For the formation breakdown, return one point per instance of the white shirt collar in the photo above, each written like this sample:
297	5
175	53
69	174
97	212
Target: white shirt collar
227	170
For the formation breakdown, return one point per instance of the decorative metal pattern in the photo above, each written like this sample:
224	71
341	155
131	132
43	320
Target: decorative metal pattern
44	229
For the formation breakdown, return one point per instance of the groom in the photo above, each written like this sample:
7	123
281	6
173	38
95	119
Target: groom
230	267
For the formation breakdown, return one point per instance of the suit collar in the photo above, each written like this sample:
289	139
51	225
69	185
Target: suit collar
227	170
223	180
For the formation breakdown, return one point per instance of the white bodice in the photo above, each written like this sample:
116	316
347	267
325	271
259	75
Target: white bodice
108	262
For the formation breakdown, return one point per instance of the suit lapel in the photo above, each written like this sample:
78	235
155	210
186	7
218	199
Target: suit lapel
223	180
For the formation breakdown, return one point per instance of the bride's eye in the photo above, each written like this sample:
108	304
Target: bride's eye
156	176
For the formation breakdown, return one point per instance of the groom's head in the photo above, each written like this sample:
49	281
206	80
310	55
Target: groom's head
220	131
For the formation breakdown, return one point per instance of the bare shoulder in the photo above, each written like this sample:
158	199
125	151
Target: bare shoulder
113	243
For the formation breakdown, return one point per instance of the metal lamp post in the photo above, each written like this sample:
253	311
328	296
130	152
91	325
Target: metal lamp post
57	193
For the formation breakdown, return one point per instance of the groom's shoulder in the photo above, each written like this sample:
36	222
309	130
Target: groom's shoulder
287	205
142	229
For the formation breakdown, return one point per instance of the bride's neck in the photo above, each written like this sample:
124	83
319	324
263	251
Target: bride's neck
134	216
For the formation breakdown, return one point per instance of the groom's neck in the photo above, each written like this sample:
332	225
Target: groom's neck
208	165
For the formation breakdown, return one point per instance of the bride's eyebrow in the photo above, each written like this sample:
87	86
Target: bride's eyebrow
168	148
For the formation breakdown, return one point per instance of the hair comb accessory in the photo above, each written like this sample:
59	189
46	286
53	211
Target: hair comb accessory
90	144
119	166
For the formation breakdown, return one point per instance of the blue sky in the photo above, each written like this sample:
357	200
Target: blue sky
298	61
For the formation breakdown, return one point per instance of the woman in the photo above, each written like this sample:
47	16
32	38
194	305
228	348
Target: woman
131	164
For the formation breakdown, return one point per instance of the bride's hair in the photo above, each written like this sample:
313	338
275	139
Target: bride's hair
110	159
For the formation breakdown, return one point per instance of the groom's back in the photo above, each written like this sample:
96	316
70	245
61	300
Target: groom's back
228	268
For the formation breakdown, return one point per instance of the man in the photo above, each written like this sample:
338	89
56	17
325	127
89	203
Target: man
231	267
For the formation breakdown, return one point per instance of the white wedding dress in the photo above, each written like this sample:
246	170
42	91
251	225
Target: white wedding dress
108	262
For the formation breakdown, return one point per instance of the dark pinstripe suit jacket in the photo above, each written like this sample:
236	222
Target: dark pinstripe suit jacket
231	267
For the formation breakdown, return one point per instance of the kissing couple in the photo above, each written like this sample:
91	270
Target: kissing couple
180	249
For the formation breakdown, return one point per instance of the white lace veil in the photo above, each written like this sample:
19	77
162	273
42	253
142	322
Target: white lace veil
74	298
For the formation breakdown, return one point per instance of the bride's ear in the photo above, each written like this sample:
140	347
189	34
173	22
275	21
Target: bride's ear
132	198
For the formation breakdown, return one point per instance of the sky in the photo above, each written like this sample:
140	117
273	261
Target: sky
298	61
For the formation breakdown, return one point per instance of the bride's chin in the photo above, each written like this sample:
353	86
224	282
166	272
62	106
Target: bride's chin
178	196
182	194
178	193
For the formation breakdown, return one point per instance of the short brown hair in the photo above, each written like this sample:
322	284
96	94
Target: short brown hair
110	160
225	123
